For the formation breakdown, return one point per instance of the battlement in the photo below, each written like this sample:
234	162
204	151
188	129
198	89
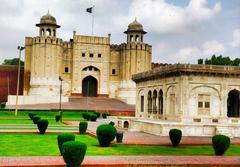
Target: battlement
92	40
138	46
47	40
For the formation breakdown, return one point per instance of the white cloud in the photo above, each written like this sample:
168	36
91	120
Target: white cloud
192	54
236	38
213	47
160	16
186	55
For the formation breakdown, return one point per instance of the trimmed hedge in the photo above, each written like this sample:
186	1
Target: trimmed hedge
175	136
57	118
64	137
2	105
42	125
220	144
111	123
106	134
83	127
73	153
93	117
31	115
35	119
97	113
104	115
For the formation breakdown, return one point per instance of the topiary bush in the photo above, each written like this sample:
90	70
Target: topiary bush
175	136
84	115
83	127
35	119
57	118
111	123
104	115
97	113
73	153
106	134
220	144
93	117
2	106
42	125
64	137
31	115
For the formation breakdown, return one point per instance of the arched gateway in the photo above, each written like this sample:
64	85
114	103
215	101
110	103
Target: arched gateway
89	86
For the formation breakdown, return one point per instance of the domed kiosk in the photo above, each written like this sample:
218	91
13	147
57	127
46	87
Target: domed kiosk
48	25
135	32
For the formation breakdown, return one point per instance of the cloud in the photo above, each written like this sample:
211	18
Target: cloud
236	38
192	54
162	17
213	47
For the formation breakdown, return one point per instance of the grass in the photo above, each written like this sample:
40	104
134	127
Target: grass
25	122
67	115
44	145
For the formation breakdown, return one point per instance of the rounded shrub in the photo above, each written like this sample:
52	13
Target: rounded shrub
57	118
35	119
87	116
93	117
111	123
2	105
73	153
31	115
220	144
42	125
104	115
84	115
64	137
106	134
97	113
175	136
83	127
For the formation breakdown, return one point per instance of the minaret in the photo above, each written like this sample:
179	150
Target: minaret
44	58
136	57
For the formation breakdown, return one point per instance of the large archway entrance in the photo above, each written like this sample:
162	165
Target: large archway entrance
233	103
89	87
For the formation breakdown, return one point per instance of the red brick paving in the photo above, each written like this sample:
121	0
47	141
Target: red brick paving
141	138
112	106
124	161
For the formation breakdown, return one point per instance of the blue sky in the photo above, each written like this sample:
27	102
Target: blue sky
180	31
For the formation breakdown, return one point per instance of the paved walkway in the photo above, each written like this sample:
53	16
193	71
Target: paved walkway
83	103
141	138
122	161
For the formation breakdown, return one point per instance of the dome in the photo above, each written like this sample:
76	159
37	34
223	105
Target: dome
49	20
135	26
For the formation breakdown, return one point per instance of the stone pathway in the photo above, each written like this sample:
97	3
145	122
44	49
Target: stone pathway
141	138
124	161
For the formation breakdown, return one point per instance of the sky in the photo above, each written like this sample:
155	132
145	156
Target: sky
180	31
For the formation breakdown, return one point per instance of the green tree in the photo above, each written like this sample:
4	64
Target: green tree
13	61
220	60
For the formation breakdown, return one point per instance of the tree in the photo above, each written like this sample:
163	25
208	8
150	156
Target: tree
220	60
13	61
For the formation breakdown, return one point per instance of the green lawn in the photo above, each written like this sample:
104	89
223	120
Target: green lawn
26	122
36	144
67	115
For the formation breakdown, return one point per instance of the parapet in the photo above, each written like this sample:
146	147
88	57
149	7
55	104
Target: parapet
92	40
47	40
186	69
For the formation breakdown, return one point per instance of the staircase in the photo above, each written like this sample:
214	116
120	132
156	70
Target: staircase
224	130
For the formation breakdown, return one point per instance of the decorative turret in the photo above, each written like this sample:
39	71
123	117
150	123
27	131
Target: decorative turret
135	32
47	25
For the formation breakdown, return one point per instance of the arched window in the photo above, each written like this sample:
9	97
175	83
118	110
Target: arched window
137	38
149	102
42	32
48	32
154	101
125	124
54	33
160	102
131	38
233	103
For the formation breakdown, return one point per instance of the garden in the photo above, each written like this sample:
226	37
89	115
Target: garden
62	142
